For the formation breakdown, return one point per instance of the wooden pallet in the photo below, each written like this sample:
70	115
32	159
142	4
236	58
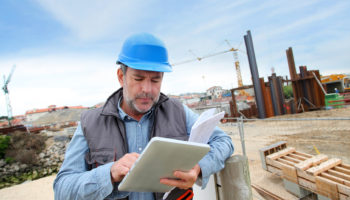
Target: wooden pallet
319	174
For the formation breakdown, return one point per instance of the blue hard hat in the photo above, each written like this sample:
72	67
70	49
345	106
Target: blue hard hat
144	51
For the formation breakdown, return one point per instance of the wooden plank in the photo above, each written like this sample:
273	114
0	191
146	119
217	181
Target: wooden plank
273	163
327	187
301	158
339	174
303	154
265	193
342	170
344	189
343	197
290	173
307	184
345	166
337	177
274	170
287	162
303	174
331	177
324	166
281	153
311	162
289	158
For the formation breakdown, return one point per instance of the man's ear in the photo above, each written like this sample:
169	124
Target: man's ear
120	77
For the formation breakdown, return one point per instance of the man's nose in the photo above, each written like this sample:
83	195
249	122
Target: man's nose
147	86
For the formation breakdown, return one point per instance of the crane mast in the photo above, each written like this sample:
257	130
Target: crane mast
6	91
238	69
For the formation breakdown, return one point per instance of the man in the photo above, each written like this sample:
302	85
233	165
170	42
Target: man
109	139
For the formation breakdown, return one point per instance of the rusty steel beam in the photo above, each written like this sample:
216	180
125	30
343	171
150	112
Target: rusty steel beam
306	88
315	92
293	74
274	96
267	98
234	104
319	93
291	64
279	87
292	107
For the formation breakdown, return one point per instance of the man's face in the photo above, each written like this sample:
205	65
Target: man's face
141	90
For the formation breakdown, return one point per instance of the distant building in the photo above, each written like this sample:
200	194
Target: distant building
16	120
215	92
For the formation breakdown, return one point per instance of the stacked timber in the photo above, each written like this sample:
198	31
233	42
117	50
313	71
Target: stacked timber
319	174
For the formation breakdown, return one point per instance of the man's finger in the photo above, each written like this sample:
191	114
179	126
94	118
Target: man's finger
129	159
124	170
185	175
176	183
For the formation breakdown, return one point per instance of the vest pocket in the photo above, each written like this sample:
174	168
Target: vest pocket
99	157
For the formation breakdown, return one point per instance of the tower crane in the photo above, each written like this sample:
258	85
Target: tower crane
6	91
238	68
235	56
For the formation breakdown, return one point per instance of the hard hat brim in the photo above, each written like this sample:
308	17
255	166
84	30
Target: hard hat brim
148	66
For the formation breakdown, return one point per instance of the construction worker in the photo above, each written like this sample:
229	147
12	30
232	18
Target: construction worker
109	139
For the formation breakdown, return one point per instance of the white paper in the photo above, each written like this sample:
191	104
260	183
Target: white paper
205	125
203	128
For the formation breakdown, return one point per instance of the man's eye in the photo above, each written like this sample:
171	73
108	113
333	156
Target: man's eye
155	81
138	79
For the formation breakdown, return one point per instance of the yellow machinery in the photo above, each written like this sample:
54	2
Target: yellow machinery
336	83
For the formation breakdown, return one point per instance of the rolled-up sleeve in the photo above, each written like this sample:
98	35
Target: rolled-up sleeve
221	148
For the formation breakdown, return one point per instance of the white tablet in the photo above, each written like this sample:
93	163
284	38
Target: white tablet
161	157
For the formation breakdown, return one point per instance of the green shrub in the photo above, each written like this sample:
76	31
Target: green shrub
288	91
9	160
4	143
24	147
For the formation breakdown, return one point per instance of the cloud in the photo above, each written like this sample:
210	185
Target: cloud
290	7
61	80
91	20
79	66
301	23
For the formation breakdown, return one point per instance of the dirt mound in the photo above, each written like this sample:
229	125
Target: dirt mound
59	116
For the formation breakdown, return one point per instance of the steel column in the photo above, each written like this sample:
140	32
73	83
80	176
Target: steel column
255	75
274	96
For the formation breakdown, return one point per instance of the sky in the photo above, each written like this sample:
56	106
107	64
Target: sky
65	52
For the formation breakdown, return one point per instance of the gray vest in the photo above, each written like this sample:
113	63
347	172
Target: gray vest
104	130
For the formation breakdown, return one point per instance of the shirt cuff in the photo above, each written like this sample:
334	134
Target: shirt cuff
103	177
109	189
204	179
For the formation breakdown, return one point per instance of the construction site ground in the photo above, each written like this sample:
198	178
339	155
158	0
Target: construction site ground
330	137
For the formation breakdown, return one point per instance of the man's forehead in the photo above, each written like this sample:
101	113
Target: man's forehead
144	73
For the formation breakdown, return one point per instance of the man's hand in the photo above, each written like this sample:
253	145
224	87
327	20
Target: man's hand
121	167
187	179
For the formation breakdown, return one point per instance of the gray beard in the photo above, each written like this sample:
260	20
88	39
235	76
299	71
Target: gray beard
131	102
